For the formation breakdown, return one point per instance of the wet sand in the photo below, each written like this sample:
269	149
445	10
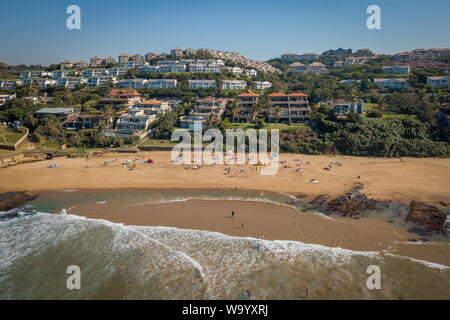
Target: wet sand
275	222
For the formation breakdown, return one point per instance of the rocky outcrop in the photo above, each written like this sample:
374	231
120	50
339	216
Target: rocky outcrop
11	200
427	216
351	203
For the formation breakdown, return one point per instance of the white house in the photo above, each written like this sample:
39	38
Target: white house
356	83
44	83
134	120
234	84
201	84
261	85
133	83
344	107
438	82
251	72
145	69
152	106
399	69
9	83
172	68
201	67
70	82
234	70
100	81
60	74
86	73
6	97
35	74
392	83
115	72
161	83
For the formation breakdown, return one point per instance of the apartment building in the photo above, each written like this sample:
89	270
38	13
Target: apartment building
298	67
176	52
397	69
202	67
305	57
189	52
202	112
392	83
202	84
290	57
344	107
288	108
261	85
246	101
60	74
161	83
133	83
234	84
146	69
93	73
9	83
148	56
438	82
35	74
100	81
44	83
66	65
128	97
70	82
60	113
97	62
116	72
172	68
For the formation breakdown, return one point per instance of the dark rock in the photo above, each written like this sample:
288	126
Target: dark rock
11	200
427	216
351	203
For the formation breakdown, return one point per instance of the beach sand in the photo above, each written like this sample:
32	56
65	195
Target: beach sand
401	180
275	222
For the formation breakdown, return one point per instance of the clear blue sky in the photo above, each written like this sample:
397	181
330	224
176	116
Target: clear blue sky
34	31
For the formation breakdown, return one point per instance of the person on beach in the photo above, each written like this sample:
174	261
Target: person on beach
232	214
308	292
242	225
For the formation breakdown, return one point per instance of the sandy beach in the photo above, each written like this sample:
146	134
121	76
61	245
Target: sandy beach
401	180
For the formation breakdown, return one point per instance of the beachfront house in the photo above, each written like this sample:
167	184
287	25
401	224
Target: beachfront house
134	120
246	101
86	121
60	113
201	84
205	110
152	106
86	73
288	108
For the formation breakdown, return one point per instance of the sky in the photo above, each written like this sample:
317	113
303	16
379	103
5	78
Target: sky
35	32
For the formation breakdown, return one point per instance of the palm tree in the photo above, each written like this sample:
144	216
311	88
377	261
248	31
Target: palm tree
277	113
234	109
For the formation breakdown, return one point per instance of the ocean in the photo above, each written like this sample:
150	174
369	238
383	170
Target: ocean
39	241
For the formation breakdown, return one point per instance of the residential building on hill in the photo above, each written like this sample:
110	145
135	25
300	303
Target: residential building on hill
392	83
438	82
234	84
127	97
204	109
261	85
246	102
397	69
202	84
101	81
161	83
289	108
344	107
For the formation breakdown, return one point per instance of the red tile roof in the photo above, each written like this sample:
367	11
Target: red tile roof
248	94
124	92
151	101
